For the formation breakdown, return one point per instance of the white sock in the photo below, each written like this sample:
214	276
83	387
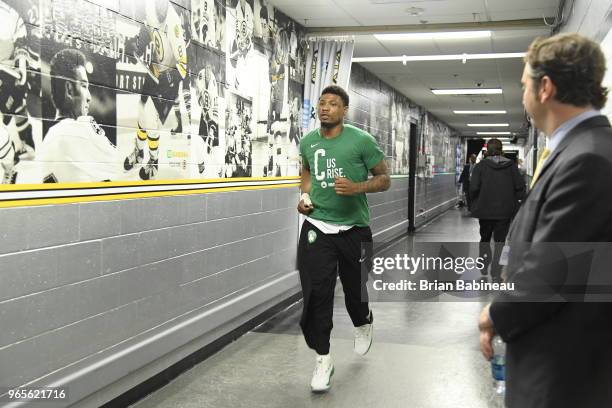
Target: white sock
326	358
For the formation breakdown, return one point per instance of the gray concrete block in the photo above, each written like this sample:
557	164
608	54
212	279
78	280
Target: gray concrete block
22	362
28	272
75	341
159	212
47	226
157	309
79	262
99	220
132	217
193	208
193	266
118	322
13	236
119	253
147	280
269	200
232	204
155	245
185	239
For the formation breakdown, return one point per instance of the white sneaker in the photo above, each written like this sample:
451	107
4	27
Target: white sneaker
321	377
363	337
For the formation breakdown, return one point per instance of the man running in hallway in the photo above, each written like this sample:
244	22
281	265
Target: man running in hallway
336	160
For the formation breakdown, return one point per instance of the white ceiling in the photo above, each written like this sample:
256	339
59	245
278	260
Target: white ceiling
415	80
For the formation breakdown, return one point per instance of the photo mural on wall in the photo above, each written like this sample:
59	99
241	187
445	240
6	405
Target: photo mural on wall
388	115
137	90
381	111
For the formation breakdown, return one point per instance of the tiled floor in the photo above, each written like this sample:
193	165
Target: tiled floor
425	355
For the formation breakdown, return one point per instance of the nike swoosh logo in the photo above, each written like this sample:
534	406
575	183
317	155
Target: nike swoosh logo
313	145
362	259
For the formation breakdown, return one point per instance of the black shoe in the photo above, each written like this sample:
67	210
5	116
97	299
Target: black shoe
135	157
149	171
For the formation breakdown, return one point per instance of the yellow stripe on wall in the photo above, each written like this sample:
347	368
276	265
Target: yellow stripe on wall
124	196
63	186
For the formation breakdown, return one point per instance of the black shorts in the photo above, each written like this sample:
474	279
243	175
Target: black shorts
164	94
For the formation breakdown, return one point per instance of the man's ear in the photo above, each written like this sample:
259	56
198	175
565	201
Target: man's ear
69	88
547	89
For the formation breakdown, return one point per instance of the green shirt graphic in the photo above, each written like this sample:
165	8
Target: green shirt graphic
351	154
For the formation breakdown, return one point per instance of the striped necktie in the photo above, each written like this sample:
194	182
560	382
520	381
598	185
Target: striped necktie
536	173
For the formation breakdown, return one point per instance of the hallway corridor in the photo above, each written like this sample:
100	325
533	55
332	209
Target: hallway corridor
424	355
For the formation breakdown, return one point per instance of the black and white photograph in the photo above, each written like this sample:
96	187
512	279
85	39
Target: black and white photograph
264	24
401	133
208	24
20	89
146	81
154	116
240	50
207	112
238	136
78	97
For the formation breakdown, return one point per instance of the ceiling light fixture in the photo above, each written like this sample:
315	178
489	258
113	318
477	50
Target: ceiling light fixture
445	35
449	57
488	124
480	112
467	91
493	133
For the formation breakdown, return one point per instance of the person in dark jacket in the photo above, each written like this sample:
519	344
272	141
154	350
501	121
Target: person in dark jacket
464	179
496	188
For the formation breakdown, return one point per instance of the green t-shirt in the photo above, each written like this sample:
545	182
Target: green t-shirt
351	154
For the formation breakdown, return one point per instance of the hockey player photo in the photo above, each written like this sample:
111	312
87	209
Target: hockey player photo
208	112
240	43
89	29
263	24
238	135
296	95
278	78
203	22
19	64
161	48
75	149
297	53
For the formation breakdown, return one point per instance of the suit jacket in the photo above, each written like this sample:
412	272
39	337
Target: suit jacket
559	354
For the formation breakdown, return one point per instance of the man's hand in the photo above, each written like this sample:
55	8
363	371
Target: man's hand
305	205
344	186
487	331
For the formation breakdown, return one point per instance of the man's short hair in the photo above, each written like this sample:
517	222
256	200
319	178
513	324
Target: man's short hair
494	147
337	90
64	66
574	63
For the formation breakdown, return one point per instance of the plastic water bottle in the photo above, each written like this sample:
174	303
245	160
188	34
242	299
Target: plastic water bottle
498	365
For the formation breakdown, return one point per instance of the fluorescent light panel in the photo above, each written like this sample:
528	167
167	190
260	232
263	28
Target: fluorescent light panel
445	57
467	91
488	124
493	133
480	112
446	35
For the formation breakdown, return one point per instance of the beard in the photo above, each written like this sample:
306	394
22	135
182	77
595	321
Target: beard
329	125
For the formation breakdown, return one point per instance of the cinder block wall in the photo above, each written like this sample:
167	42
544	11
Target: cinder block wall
91	292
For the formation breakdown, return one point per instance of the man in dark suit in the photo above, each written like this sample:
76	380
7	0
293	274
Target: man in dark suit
464	179
559	353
